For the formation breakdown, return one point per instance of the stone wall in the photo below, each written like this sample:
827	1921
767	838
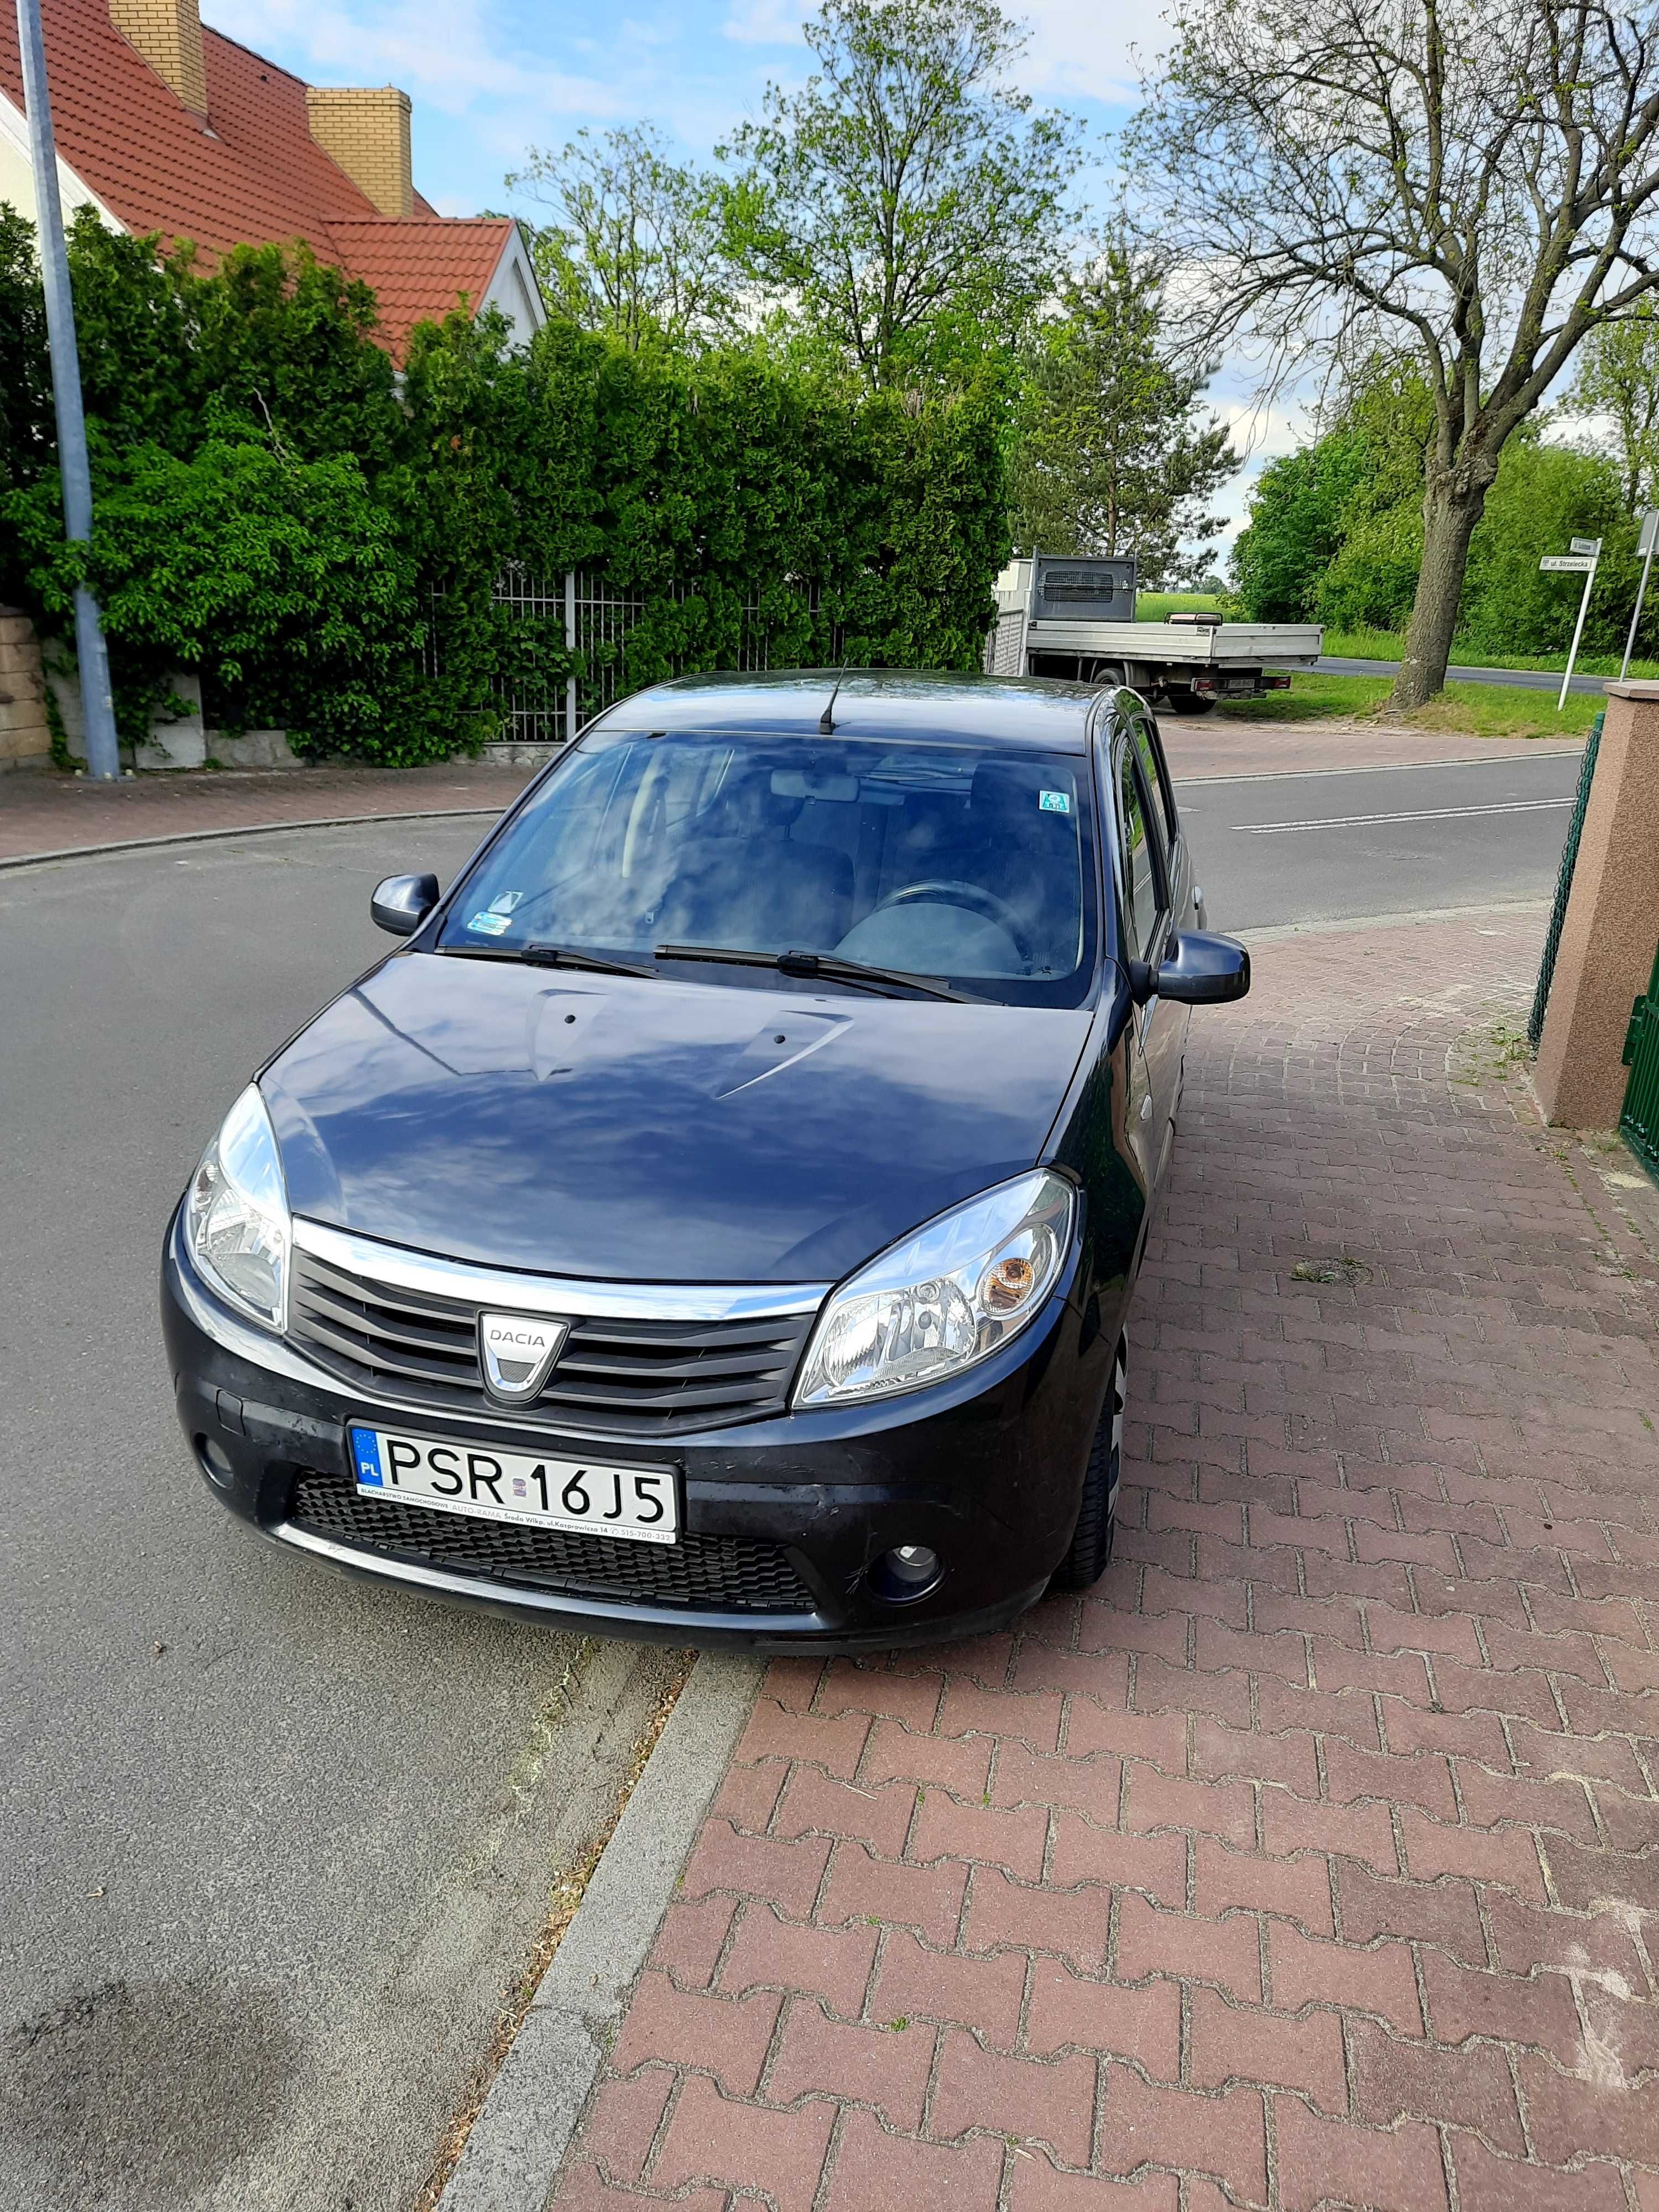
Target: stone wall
25	737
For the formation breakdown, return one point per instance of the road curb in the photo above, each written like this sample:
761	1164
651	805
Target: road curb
520	2138
239	829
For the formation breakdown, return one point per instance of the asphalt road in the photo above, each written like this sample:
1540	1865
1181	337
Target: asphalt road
272	1843
1277	849
1520	679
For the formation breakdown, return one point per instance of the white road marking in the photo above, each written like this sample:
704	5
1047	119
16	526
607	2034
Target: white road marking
1426	814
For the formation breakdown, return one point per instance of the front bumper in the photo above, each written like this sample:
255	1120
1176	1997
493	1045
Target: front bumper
987	1472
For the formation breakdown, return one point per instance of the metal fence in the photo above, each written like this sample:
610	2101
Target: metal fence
591	617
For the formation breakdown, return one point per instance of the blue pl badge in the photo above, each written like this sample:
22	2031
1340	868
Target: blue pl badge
366	1450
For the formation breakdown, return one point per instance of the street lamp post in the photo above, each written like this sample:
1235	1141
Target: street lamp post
1644	547
98	708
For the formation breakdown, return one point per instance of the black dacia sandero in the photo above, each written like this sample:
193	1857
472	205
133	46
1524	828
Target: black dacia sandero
718	1219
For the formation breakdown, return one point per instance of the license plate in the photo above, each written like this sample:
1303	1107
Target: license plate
640	1503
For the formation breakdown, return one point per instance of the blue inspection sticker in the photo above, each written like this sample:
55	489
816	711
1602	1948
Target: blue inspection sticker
1054	802
366	1450
490	925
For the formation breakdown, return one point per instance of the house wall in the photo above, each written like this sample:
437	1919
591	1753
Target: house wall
17	174
515	290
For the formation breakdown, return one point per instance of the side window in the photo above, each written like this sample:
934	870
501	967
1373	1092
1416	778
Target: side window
1141	860
1156	771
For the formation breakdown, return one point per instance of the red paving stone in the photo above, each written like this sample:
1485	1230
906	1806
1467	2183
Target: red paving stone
1311	1859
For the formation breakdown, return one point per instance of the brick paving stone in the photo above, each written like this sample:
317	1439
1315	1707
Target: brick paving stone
1226	1952
1321	2161
1396	2078
875	2168
1234	2043
1297	1888
1070	2011
712	2138
1364	1717
927	1898
728	2035
986	1994
831	1963
1037	2187
1487	2182
1220	2133
1032	2100
886	2067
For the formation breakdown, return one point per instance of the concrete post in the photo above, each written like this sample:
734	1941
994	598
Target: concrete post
1612	922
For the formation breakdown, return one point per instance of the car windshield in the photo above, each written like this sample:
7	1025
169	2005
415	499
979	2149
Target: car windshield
962	862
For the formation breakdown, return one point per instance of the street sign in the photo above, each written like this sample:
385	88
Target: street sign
1578	564
1584	544
1649	538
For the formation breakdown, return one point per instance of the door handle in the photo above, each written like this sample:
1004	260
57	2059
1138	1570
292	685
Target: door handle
1146	1107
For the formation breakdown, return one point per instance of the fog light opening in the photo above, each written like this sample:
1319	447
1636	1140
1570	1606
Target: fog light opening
907	1572
216	1462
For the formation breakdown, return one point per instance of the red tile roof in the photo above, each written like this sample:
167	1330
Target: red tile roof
251	174
421	269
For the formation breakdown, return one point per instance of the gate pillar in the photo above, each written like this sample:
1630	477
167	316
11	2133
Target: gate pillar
1607	938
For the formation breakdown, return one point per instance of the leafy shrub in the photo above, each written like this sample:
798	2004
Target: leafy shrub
322	539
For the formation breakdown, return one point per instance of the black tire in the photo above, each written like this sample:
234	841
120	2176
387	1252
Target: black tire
1189	702
1090	1549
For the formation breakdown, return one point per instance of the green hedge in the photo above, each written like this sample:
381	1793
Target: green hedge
319	538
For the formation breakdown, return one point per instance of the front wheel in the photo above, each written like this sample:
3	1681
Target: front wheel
1085	1562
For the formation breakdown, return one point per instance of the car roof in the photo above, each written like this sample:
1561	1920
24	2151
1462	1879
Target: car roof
1039	712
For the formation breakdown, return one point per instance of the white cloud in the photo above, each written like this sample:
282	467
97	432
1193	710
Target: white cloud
1081	51
446	53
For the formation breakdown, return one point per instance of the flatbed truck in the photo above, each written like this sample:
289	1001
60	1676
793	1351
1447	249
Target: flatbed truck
1058	616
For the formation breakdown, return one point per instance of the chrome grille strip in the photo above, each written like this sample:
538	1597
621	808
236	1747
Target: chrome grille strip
396	1268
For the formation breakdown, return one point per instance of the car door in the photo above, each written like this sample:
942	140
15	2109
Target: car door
1158	1030
1173	1021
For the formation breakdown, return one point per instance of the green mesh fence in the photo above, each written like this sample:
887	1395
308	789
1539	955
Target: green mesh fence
1540	997
1640	1119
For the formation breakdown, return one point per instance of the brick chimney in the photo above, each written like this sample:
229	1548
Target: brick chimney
168	34
366	131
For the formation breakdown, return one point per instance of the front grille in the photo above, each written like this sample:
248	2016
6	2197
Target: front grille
725	1573
624	1378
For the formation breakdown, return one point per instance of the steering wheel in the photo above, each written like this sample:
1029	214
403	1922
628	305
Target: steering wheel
945	890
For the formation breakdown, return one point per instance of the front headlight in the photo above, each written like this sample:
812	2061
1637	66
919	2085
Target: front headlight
945	1298
236	1219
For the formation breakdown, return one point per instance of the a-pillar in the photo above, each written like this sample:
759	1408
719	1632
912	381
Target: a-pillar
1612	923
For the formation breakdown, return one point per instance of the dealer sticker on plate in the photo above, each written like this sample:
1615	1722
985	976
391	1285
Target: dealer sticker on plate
641	1503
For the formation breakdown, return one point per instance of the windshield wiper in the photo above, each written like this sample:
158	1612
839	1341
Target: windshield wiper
830	965
547	956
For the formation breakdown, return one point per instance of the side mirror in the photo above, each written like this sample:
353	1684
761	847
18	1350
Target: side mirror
1202	968
402	903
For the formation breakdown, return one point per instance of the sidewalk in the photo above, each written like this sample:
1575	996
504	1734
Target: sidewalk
46	812
1312	1859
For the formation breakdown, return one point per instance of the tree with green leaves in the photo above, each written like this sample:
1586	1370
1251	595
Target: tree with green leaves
1618	378
1114	453
637	246
906	202
1478	184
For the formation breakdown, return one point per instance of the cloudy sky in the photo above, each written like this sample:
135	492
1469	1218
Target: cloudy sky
490	78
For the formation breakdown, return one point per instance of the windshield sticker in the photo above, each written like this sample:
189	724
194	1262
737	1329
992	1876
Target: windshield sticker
490	924
1054	802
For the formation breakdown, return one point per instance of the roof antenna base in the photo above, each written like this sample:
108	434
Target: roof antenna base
827	719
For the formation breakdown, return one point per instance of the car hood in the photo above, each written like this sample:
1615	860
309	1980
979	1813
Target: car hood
654	1130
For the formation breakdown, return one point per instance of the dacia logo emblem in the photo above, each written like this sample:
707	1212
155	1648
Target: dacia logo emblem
516	1352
